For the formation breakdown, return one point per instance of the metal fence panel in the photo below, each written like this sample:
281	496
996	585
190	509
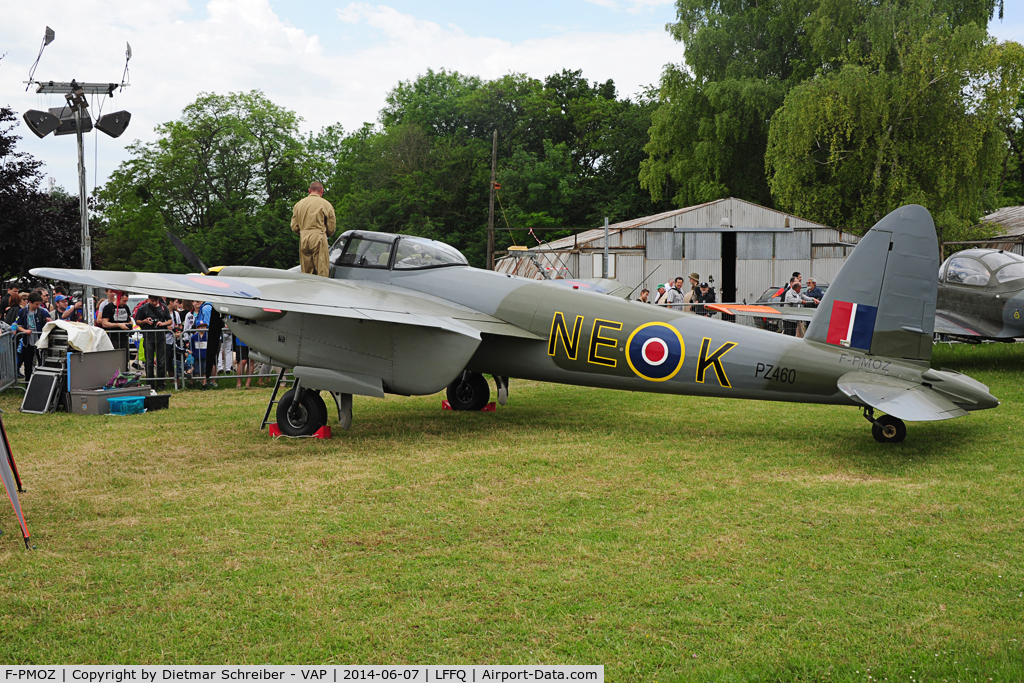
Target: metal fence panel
8	362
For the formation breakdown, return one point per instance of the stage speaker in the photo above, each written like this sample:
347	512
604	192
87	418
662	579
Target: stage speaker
114	124
40	122
67	121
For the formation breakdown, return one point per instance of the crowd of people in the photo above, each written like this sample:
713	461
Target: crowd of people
677	296
166	337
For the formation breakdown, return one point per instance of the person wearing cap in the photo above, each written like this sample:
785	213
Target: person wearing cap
662	291
66	312
313	219
691	296
30	322
705	295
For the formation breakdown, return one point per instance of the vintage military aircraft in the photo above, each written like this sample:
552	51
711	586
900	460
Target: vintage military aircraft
406	315
981	295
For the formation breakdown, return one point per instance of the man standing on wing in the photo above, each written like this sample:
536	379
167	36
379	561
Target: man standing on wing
313	218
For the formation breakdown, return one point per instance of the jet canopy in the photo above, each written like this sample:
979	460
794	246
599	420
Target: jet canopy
975	267
365	249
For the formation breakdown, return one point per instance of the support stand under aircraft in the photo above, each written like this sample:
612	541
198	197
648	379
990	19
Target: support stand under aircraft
406	315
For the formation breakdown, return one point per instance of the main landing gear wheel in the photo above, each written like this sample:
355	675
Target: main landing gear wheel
302	417
469	391
889	429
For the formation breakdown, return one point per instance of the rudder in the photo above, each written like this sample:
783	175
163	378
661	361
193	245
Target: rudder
883	299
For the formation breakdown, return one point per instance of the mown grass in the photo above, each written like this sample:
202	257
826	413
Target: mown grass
667	538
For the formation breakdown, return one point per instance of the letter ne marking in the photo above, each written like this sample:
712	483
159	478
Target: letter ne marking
560	332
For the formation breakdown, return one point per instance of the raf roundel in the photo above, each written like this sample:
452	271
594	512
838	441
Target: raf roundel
655	351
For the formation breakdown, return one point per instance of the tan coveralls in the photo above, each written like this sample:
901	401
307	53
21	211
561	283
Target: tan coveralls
313	218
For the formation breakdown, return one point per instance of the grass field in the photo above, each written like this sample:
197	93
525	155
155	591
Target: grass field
667	538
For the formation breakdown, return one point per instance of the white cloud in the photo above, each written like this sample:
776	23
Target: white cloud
238	45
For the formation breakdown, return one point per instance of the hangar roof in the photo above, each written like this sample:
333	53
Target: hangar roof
721	215
1010	220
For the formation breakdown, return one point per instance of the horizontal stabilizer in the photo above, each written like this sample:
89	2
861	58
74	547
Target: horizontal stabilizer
900	398
761	311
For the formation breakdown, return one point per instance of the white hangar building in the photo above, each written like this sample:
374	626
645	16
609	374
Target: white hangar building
740	247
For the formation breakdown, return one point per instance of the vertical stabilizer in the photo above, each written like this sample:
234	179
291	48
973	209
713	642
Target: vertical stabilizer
883	299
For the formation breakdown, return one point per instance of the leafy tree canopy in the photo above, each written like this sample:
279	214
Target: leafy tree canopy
37	229
916	122
744	60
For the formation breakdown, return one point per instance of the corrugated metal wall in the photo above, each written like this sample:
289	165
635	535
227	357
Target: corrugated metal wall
826	269
793	245
664	244
752	278
586	266
755	245
703	245
629	268
662	270
784	269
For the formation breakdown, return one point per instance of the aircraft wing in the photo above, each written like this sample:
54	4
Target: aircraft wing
900	398
945	324
764	311
266	298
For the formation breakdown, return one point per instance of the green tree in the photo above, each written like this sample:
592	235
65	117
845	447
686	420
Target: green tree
711	131
37	229
223	176
914	122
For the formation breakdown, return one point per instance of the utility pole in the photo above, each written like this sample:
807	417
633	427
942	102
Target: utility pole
490	214
604	266
76	100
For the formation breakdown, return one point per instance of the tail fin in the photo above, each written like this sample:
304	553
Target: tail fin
883	299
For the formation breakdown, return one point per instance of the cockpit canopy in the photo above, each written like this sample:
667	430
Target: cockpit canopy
975	267
364	249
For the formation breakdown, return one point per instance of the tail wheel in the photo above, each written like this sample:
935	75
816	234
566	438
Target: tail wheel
301	418
469	391
889	429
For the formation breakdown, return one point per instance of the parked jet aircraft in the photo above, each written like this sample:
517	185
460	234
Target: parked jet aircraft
981	295
406	315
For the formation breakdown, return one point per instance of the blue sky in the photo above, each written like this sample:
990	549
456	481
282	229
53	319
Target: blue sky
329	61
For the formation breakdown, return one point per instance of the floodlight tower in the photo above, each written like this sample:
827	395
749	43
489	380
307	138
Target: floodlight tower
74	118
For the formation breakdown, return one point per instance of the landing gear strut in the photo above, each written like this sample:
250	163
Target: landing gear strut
885	429
469	391
301	412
